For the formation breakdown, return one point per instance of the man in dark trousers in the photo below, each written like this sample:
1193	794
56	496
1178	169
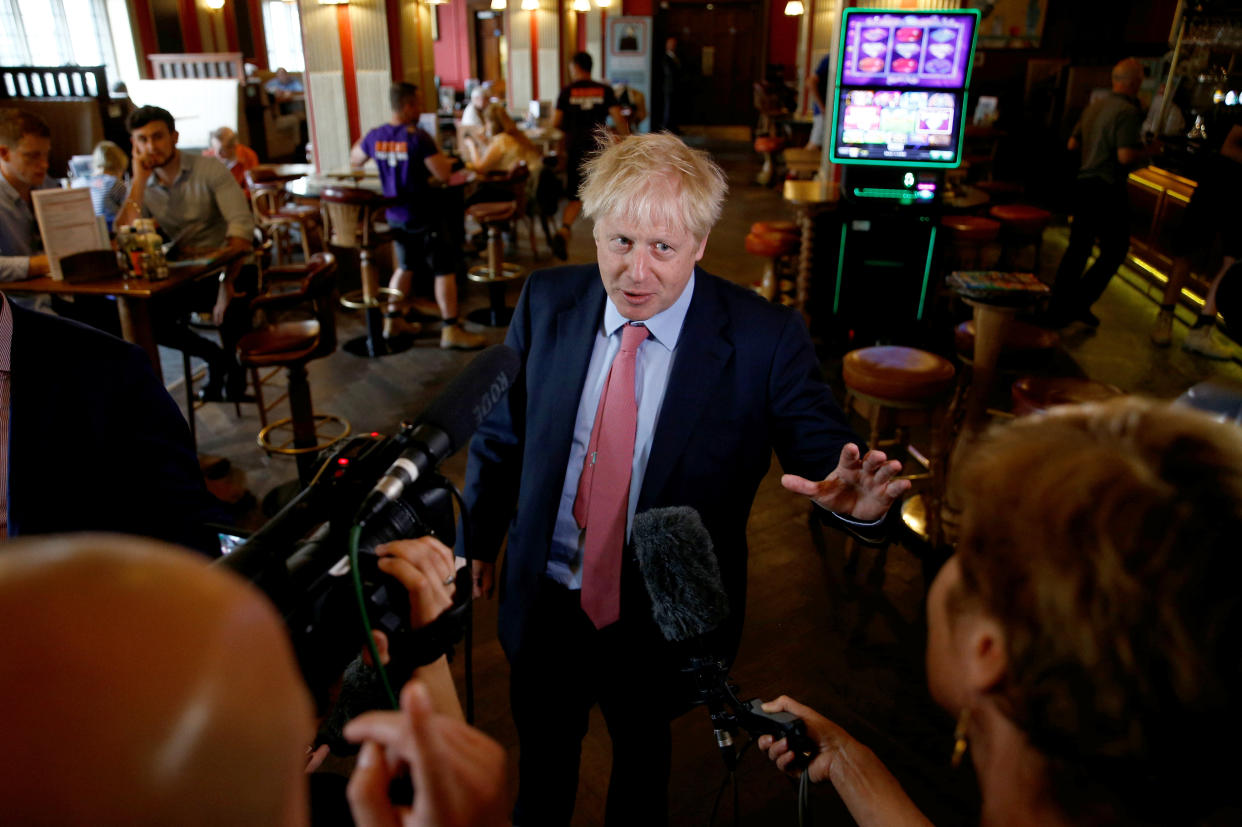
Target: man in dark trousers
670	68
1109	135
646	382
581	110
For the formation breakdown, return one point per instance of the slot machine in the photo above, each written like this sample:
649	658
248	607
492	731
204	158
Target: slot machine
899	114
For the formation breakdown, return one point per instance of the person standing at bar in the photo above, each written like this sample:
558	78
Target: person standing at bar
1109	135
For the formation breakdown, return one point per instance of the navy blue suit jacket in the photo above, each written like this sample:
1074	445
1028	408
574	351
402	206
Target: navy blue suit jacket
95	442
744	381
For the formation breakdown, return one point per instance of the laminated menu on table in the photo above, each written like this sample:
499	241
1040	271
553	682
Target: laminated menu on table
68	225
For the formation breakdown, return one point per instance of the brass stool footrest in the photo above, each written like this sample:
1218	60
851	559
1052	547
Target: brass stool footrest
353	300
484	274
322	441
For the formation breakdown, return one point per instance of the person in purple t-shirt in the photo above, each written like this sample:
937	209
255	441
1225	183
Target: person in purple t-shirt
408	158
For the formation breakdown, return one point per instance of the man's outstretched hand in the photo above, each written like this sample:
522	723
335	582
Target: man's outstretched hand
862	488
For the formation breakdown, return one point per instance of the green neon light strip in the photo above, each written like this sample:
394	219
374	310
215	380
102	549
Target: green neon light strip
931	249
836	298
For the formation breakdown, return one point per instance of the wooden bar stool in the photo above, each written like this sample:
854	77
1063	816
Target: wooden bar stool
350	221
774	241
494	216
969	236
768	146
290	343
1036	394
895	388
1021	226
1022	343
276	217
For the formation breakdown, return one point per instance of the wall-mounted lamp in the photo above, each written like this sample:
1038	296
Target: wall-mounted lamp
794	8
334	2
530	5
437	2
603	4
214	5
582	5
499	5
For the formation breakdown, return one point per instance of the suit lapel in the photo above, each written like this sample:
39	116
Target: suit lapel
703	350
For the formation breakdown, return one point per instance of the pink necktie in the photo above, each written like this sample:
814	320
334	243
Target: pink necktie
604	488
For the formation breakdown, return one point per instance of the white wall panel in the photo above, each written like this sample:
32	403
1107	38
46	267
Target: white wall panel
327	90
373	105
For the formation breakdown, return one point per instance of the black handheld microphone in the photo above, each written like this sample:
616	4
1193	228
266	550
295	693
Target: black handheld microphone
447	424
688	601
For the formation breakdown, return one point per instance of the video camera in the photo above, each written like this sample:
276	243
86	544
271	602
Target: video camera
383	489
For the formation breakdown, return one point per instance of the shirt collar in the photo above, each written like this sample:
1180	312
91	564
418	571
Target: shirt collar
9	191
664	327
153	180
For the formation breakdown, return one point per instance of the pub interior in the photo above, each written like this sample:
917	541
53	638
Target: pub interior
926	271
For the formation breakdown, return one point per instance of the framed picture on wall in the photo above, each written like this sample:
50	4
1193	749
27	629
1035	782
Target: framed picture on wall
629	38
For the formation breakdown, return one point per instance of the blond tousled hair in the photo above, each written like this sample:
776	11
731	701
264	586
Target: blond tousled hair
633	178
109	158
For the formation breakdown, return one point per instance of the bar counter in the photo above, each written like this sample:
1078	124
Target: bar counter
1158	199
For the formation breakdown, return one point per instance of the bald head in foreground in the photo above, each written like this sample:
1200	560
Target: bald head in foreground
142	686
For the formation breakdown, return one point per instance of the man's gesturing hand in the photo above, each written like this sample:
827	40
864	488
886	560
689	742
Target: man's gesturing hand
861	487
458	772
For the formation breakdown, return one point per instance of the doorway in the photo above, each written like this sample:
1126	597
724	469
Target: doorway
720	56
488	37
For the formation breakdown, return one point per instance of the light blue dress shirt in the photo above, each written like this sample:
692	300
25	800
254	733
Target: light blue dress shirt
19	232
652	365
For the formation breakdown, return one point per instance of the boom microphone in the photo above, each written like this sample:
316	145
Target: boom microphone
448	423
680	571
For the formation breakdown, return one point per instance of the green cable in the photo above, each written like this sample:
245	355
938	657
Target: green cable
354	534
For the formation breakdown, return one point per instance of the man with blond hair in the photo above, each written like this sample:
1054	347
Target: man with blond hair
646	383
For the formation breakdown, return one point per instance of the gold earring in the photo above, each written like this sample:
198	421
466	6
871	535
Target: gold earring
959	738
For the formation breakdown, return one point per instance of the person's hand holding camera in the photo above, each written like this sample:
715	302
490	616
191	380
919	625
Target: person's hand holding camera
427	569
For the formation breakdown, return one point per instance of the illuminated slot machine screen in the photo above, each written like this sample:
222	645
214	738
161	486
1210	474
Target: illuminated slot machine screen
901	87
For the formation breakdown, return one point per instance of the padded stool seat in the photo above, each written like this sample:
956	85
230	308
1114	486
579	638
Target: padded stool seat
766	143
492	211
1000	190
1021	218
897	374
278	343
1020	337
783	227
1034	394
297	211
770	244
971	228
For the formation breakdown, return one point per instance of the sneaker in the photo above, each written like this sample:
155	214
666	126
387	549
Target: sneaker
395	326
1200	341
458	338
560	244
1162	331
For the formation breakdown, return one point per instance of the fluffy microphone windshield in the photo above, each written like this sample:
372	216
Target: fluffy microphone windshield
675	556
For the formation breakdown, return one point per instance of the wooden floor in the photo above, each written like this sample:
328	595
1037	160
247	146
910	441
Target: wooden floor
846	641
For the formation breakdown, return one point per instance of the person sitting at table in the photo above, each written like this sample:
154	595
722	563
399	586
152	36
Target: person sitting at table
1085	634
472	132
92	441
236	156
283	86
25	142
202	209
422	218
107	180
633	104
507	146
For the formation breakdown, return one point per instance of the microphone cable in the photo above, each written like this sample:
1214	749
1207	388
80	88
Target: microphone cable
356	573
804	793
355	534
